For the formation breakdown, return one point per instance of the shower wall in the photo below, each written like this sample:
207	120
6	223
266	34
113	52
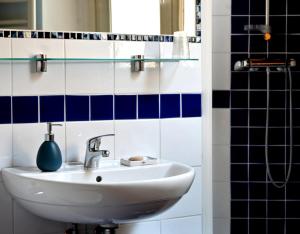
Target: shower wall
256	205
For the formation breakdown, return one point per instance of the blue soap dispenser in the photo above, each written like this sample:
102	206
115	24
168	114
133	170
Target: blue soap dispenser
49	156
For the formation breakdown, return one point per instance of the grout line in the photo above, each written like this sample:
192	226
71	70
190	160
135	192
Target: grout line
248	131
65	104
114	100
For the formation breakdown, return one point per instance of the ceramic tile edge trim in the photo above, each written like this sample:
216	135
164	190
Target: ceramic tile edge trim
69	108
36	34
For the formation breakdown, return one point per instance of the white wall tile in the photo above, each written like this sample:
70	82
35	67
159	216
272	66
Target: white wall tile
140	228
28	82
221	126
221	199
221	74
221	163
181	140
221	34
221	7
137	137
180	77
221	226
27	138
26	222
5	67
77	134
5	145
6	214
190	203
195	50
146	81
190	225
87	76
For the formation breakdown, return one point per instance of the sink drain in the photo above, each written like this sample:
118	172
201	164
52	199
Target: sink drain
98	178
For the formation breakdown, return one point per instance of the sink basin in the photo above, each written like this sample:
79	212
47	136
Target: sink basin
109	194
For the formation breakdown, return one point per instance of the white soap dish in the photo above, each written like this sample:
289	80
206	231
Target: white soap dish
138	161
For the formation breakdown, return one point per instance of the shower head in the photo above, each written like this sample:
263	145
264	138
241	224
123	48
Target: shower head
258	27
255	64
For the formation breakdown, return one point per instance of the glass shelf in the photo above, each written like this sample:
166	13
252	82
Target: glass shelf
100	59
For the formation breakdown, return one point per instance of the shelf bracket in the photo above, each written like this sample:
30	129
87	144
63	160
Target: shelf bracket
137	63
41	62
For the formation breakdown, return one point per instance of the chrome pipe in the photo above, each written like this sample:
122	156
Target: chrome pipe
263	63
267	13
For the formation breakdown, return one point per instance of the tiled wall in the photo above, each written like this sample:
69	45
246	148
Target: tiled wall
256	206
155	112
221	116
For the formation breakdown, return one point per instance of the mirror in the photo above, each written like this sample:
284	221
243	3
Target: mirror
116	16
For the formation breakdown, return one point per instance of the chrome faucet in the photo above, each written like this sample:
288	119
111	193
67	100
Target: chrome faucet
93	152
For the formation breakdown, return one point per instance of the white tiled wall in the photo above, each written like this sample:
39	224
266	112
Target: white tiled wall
27	82
5	67
173	139
99	77
221	117
136	82
185	77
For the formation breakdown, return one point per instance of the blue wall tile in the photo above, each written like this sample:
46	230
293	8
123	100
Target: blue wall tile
102	107
5	110
52	108
25	109
169	105
191	105
77	108
148	106
125	107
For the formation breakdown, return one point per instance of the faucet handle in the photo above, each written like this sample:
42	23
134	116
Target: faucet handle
93	144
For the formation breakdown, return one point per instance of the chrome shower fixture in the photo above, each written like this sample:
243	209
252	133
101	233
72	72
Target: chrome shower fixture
263	28
254	64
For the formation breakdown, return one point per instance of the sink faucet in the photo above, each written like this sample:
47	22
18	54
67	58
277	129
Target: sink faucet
93	152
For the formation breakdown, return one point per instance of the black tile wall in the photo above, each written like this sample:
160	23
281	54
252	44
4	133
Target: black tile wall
256	205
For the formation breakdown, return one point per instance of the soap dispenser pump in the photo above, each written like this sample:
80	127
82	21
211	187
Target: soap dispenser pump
49	156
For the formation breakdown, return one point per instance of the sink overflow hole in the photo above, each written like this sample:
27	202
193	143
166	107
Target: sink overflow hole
98	178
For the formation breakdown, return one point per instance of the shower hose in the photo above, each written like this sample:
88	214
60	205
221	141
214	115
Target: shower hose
279	184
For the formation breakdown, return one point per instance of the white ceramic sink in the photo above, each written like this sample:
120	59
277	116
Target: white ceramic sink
124	193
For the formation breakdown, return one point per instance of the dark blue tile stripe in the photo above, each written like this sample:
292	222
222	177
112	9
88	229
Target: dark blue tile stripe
125	107
170	105
59	108
77	108
191	105
52	108
5	110
148	106
102	107
25	109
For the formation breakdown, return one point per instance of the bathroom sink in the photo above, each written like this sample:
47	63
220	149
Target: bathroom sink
109	194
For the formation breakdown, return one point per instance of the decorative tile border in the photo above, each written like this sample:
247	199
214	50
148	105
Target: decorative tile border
198	19
59	108
89	36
